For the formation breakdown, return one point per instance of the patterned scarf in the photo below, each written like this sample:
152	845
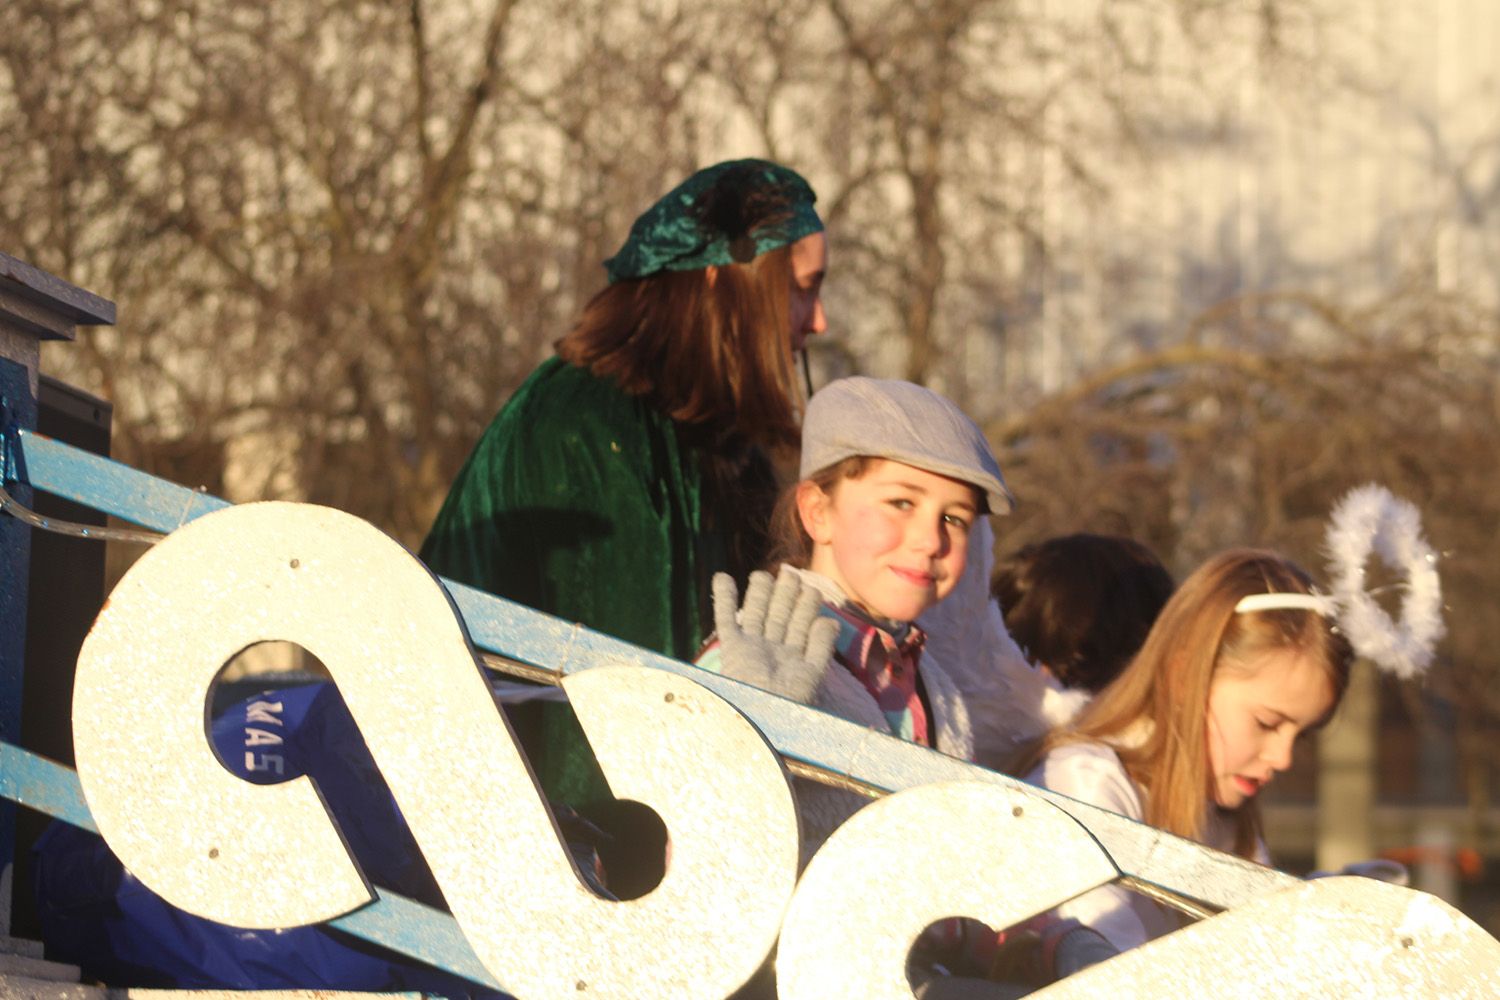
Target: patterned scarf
884	660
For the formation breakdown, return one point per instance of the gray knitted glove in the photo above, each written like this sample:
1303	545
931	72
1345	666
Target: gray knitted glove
777	641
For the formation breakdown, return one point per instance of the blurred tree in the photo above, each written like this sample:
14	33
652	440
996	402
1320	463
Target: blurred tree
277	195
351	227
955	130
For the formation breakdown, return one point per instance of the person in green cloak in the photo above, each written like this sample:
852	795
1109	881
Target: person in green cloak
635	464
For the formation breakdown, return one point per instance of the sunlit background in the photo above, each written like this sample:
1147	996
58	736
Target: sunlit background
1199	267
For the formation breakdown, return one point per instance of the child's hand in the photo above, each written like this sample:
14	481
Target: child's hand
776	641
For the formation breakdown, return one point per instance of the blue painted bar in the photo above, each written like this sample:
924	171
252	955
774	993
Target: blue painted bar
108	486
17	412
414	929
1179	866
34	306
391	921
44	785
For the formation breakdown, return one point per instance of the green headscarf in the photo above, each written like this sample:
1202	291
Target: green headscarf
728	213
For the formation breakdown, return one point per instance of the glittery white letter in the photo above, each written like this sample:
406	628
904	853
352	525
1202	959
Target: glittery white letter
268	855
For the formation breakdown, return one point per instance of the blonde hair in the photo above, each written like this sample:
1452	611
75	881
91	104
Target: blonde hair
1163	693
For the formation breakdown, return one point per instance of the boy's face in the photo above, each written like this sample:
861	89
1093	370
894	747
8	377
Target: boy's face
895	539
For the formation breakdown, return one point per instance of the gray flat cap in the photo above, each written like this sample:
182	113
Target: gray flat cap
904	422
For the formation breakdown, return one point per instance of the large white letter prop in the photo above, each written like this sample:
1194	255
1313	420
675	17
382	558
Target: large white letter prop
242	854
1332	937
728	809
963	849
267	856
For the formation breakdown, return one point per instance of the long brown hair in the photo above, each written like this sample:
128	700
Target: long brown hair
715	355
1163	695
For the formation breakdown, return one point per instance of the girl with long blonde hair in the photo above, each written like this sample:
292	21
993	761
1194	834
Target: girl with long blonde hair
1240	662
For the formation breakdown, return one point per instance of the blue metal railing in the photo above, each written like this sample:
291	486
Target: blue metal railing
812	742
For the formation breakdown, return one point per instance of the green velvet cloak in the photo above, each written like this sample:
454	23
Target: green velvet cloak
579	500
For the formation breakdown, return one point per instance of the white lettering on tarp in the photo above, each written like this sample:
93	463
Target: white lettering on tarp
261	712
263	762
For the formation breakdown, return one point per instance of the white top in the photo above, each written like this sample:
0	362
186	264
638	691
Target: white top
1092	773
1010	702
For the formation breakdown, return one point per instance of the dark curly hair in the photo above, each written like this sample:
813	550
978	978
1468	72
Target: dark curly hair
1082	604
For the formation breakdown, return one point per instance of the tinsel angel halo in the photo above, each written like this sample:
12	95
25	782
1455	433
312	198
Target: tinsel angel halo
1371	518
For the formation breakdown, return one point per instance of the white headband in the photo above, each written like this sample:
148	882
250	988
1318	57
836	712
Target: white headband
1371	519
1320	603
